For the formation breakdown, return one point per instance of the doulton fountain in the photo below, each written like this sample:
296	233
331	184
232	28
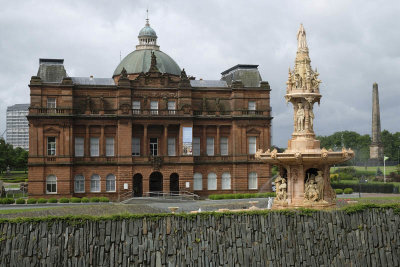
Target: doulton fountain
304	168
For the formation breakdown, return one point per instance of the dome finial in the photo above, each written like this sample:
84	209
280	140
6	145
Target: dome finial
147	17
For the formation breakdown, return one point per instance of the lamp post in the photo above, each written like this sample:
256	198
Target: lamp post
384	168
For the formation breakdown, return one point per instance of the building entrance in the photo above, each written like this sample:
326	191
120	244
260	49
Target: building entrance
137	185
174	183
156	182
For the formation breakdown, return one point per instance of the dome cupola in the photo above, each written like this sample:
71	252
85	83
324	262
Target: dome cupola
147	38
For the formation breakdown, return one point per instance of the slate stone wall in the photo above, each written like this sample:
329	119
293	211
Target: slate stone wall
368	238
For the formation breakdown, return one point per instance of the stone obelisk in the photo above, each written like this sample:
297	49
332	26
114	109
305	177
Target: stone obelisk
376	148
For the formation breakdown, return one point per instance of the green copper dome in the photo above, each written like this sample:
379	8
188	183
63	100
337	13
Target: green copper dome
147	31
139	61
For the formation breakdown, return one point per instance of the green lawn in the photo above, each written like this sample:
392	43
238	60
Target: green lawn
12	211
14	177
389	169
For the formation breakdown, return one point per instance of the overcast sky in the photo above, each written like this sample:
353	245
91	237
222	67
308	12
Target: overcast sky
352	44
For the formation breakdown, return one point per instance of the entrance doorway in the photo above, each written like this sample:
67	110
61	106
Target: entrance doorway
174	183
156	182
137	185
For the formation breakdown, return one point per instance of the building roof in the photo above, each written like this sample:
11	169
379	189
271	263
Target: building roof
208	83
139	61
92	81
51	70
18	107
246	73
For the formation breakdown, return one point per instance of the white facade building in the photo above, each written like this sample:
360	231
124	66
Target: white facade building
17	126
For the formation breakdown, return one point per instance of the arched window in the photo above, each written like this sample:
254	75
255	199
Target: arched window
95	183
110	183
197	181
253	180
51	184
226	181
79	184
212	181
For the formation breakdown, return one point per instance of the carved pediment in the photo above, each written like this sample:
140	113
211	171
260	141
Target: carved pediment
51	130
253	131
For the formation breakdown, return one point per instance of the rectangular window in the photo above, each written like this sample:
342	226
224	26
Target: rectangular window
153	146
79	146
171	107
251	105
196	146
135	146
51	146
136	107
154	107
171	146
94	146
51	102
110	146
210	146
253	180
252	145
224	146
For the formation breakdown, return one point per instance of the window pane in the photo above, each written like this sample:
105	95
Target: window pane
110	183
252	145
79	184
51	146
226	181
136	107
94	146
79	146
153	146
171	107
210	146
197	181
110	146
224	146
135	146
171	146
51	184
212	181
154	107
196	146
51	102
95	183
253	180
252	105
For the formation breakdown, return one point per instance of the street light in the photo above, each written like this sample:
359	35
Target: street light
384	168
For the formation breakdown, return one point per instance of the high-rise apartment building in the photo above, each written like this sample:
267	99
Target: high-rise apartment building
17	126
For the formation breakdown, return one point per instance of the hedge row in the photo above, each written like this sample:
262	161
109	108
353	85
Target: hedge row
341	191
53	200
366	188
240	196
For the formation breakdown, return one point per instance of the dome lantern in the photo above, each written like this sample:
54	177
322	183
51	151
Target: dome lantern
147	37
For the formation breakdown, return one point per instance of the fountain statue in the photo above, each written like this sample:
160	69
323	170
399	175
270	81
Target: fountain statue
304	179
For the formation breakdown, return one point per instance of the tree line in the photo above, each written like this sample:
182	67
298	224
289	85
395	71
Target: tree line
360	145
15	158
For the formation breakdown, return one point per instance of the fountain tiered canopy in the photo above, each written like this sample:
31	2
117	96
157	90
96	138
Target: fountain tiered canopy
304	178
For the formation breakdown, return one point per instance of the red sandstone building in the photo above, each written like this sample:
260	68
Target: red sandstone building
149	128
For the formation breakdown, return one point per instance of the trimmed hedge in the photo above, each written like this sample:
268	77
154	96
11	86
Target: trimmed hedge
339	191
64	200
75	200
32	201
42	201
348	191
366	188
94	199
240	196
53	200
104	199
20	201
84	200
7	200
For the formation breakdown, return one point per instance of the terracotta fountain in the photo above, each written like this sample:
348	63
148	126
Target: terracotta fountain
304	179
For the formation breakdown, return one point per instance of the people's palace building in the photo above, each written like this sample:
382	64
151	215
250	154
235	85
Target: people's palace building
149	128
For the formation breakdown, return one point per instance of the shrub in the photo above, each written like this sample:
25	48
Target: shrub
94	199
339	191
75	200
20	201
64	200
348	191
104	199
367	187
84	200
52	200
32	201
248	195
346	176
42	200
7	200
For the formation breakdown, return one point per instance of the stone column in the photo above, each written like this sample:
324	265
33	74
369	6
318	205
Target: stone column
87	142
203	142
165	152
218	152
102	141
376	148
145	140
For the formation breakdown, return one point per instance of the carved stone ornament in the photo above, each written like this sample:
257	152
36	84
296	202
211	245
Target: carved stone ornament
345	153
124	74
297	155
281	188
183	75
274	153
125	108
324	153
153	64
156	162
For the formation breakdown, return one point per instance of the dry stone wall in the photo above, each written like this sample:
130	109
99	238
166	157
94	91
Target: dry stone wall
367	238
